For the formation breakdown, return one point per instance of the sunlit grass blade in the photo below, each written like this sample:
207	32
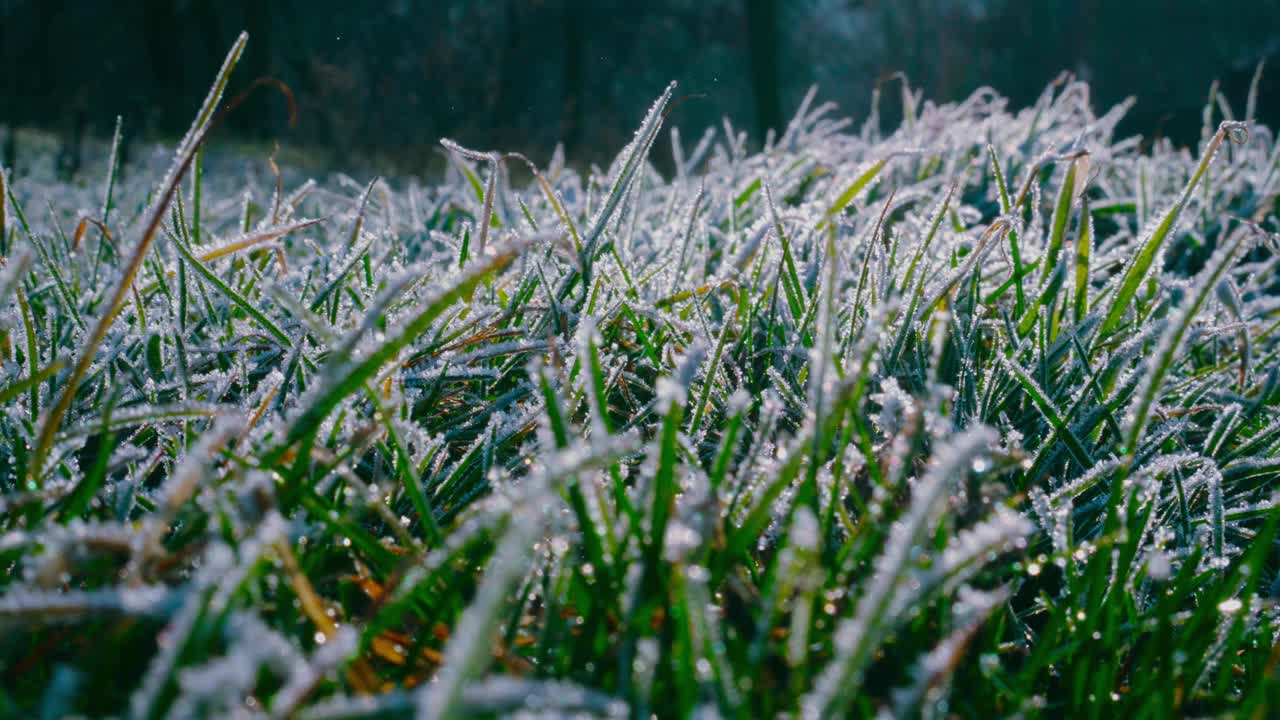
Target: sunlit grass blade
1171	340
1135	271
350	379
154	216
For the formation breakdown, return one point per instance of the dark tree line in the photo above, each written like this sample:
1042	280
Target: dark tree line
382	81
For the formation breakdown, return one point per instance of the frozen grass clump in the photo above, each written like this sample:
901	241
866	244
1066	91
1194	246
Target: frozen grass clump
978	416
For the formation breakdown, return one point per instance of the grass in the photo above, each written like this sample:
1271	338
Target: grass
980	416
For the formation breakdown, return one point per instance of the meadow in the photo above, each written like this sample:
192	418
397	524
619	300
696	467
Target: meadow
974	416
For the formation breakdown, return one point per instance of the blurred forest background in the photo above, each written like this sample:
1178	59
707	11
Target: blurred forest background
381	82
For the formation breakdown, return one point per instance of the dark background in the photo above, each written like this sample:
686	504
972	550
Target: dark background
378	83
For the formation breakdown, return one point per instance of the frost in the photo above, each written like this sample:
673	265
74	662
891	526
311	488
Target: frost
819	407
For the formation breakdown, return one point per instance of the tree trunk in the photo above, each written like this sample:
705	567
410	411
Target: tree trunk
762	45
159	28
575	51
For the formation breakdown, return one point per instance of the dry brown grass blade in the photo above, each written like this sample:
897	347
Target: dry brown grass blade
83	226
359	674
393	647
551	198
265	81
262	407
249	241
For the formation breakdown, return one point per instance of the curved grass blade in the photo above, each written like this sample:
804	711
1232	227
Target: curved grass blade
1171	341
1073	184
350	379
1140	263
1084	246
155	215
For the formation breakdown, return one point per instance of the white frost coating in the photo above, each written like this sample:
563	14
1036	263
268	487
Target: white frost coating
25	606
933	670
856	637
467	652
861	364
